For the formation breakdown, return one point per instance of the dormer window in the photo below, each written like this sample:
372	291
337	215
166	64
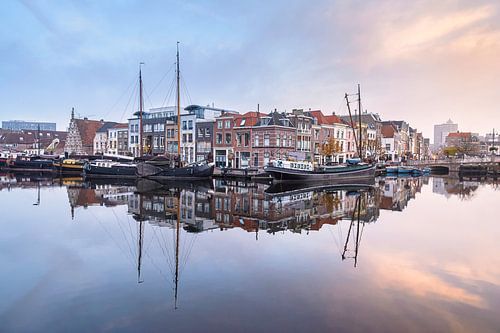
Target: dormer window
243	122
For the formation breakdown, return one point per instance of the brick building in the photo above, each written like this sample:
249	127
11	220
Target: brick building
223	140
273	137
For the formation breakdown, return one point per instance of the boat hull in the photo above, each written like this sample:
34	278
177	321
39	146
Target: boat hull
69	169
35	165
114	171
198	171
351	173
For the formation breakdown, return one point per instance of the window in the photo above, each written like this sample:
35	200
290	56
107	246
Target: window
228	124
388	146
190	137
219	138
243	122
207	132
278	140
246	142
184	137
184	125
190	124
256	140
228	138
162	141
266	140
219	124
200	132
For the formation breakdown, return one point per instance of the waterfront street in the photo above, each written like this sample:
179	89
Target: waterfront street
408	255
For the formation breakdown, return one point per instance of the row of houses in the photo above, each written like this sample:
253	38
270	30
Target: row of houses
32	141
251	139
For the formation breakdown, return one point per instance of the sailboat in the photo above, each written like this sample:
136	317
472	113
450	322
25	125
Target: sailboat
161	168
300	171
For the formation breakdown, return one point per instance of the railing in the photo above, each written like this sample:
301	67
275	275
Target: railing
489	159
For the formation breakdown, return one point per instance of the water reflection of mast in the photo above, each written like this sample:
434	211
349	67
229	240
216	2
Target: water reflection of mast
37	203
357	207
140	241
178	224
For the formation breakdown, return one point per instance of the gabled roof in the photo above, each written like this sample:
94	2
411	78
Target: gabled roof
121	125
87	129
106	125
248	119
30	137
367	118
325	120
388	130
275	119
462	135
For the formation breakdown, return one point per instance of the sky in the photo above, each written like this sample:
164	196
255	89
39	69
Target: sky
419	61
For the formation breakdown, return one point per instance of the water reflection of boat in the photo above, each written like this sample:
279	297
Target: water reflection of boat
155	185
290	188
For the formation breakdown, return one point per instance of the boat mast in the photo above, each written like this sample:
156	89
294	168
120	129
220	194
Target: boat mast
178	109
352	122
141	110
359	123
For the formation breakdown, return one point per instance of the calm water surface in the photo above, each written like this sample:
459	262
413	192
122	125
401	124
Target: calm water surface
409	255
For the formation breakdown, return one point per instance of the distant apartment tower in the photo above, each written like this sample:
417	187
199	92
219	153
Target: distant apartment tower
19	125
441	131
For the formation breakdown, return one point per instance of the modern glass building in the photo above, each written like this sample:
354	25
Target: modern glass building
19	125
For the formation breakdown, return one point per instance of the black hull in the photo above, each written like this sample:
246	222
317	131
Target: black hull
350	174
148	170
31	166
92	171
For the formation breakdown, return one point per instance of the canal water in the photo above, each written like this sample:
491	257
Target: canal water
406	255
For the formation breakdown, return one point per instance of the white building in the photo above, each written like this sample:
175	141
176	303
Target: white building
101	138
441	131
133	136
188	137
118	139
391	143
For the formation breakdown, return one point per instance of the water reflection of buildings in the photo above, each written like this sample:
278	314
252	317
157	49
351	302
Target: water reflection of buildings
247	206
87	194
397	192
449	187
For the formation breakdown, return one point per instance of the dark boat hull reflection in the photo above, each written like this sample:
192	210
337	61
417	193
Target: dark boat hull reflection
285	188
145	185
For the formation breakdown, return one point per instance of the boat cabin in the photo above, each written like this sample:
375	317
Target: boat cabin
294	165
